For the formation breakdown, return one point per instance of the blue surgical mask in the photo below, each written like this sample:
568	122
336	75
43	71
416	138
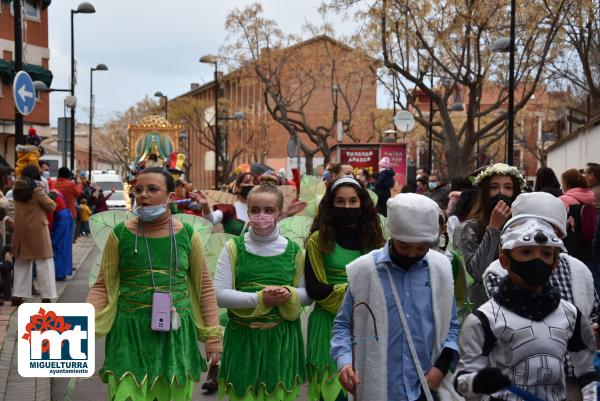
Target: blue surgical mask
150	213
432	185
46	174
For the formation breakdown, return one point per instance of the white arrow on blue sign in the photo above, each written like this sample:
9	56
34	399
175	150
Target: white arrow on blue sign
23	93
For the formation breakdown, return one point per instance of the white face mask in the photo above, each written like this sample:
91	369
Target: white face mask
150	213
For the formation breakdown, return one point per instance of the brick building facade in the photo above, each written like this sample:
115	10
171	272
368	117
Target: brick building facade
259	138
36	54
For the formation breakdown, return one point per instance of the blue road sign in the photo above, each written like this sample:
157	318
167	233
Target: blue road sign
24	93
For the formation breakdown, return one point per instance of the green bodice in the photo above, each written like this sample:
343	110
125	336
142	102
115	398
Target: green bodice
335	264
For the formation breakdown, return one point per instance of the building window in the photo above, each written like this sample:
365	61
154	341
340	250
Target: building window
32	9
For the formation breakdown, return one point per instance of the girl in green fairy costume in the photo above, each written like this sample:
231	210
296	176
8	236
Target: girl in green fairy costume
346	227
149	255
260	279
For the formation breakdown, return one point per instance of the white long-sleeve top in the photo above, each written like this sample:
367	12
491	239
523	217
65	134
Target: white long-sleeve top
241	212
271	245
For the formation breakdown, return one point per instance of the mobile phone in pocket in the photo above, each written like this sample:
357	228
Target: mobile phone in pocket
161	311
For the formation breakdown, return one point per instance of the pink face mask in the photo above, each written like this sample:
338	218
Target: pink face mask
262	223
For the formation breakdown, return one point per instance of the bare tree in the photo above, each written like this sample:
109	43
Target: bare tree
196	116
453	41
295	78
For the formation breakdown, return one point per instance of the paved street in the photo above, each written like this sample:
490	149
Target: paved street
92	389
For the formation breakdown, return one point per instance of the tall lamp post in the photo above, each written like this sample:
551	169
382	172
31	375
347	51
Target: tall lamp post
504	45
208	59
99	67
83	8
160	95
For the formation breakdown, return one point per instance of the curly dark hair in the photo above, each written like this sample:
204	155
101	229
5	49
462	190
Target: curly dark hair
370	233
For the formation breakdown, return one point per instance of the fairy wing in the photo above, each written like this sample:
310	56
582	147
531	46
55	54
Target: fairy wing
373	196
95	270
289	194
296	228
384	229
200	224
219	197
213	246
102	224
312	190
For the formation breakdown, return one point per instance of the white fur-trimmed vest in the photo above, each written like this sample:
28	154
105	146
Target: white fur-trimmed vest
365	286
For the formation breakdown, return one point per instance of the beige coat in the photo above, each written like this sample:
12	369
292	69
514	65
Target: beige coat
31	239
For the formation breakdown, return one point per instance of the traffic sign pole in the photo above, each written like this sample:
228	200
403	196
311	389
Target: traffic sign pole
18	67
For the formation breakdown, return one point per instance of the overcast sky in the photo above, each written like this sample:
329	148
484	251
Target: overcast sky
148	46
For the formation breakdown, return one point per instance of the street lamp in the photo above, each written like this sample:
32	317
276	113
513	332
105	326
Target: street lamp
99	67
83	8
208	59
504	45
159	94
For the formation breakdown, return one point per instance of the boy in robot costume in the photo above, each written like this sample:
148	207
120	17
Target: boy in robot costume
523	334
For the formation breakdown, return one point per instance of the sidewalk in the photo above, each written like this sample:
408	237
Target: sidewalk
12	386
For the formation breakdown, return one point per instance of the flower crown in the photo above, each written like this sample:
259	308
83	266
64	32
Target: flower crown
500	169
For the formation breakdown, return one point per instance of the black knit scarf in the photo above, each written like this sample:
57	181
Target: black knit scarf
530	305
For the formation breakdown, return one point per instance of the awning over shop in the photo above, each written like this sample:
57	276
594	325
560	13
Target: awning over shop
7	72
37	73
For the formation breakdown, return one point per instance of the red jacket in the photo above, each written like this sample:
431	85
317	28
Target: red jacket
70	191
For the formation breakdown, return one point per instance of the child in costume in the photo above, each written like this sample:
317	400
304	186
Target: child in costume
410	291
260	279
346	226
154	255
29	153
524	333
497	187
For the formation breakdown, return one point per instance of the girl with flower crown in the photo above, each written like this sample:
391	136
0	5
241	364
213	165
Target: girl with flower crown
478	237
260	280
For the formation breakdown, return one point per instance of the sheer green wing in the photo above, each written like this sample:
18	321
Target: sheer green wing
95	270
384	229
289	194
373	196
200	224
102	224
219	197
312	190
214	246
296	228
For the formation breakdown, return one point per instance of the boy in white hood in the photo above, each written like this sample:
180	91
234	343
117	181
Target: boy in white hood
524	333
406	285
571	277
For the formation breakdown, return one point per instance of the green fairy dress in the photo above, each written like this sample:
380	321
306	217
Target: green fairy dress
142	364
263	348
322	370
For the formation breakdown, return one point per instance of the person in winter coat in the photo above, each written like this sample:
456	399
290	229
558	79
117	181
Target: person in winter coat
101	205
384	185
579	202
31	240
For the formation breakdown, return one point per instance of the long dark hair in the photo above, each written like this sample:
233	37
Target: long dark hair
545	178
24	186
370	234
482	208
573	179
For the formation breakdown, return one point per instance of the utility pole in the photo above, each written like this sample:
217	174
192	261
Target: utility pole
18	67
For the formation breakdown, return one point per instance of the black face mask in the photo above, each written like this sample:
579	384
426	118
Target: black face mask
534	272
405	262
500	197
245	190
346	216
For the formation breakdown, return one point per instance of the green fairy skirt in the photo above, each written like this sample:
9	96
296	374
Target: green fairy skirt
142	364
262	360
322	370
